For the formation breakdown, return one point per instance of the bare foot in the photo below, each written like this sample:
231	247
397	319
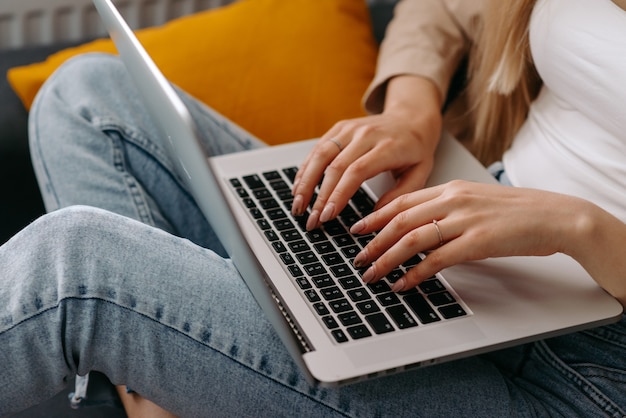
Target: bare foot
138	407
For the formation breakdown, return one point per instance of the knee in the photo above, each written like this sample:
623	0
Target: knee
81	83
83	72
72	225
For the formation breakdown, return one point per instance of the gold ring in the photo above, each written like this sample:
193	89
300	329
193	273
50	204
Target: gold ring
438	232
336	142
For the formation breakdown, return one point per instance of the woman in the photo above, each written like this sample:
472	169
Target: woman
155	312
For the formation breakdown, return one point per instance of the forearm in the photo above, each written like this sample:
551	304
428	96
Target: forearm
416	99
426	38
597	240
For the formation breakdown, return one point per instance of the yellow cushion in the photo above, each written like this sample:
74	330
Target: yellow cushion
282	69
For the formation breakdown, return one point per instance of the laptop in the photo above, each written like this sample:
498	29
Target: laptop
337	329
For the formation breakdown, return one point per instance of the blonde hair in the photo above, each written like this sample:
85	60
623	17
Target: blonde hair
503	80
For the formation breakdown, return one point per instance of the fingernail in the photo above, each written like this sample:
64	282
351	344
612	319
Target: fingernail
313	220
360	260
369	275
399	285
295	185
357	227
328	212
296	206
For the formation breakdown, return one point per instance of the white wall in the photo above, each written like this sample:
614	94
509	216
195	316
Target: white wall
42	22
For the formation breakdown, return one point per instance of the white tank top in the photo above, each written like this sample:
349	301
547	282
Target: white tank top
574	140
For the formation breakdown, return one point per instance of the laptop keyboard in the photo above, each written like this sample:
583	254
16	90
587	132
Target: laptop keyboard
320	264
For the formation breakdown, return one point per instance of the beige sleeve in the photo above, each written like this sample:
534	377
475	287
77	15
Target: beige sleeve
428	38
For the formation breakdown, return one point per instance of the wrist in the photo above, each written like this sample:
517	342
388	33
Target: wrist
412	92
415	99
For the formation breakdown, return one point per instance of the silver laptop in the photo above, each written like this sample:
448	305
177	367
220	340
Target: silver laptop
337	329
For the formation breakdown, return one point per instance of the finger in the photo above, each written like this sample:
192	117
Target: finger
413	179
347	181
373	161
380	218
450	254
319	158
332	132
416	241
350	155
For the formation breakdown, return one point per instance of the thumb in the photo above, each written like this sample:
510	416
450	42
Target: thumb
409	181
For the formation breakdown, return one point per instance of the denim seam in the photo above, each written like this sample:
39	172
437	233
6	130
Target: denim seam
592	393
223	353
35	145
134	189
141	141
606	335
182	333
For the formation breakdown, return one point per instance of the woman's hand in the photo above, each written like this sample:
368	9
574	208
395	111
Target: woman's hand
402	140
473	221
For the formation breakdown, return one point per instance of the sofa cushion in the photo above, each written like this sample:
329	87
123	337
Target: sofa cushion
283	70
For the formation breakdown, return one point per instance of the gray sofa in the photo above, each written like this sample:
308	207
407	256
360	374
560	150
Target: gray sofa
21	202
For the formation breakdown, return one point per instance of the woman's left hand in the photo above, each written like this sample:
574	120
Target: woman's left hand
462	221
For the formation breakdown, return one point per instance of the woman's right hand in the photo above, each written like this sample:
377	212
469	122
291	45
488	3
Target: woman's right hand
402	140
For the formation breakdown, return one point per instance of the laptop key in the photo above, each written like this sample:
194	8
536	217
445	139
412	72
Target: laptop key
359	331
261	194
339	336
295	270
279	247
315	269
388	299
275	214
395	275
340	305
279	185
358	294
298	246
341	270
254	181
332	259
272	175
324	247
323	281
271	235
287	259
291	173
291	235
321	309
316	235
268	203
330	322
307	257
379	287
368	307
349	318
431	286
422	309
264	224
401	316
379	323
303	283
349	282
351	251
344	240
441	298
312	295
256	213
331	293
452	311
334	228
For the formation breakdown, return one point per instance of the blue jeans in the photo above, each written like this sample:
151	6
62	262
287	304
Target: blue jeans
138	290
